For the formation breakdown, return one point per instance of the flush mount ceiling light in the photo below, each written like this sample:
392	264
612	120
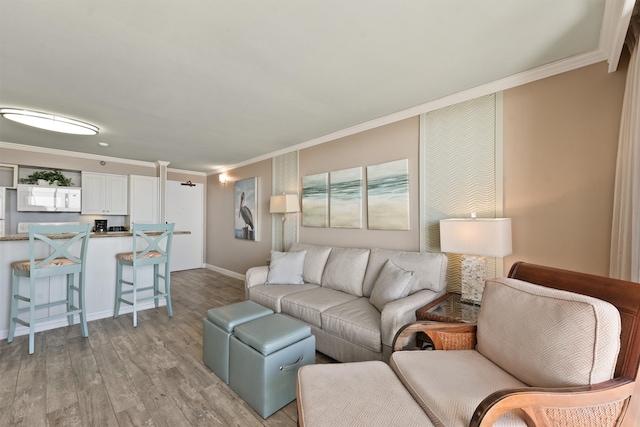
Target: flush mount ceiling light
48	121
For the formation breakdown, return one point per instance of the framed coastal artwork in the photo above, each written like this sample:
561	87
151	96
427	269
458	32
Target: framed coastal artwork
345	198
246	209
388	196
315	200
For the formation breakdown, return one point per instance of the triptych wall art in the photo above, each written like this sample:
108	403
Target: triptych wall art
335	199
388	196
315	200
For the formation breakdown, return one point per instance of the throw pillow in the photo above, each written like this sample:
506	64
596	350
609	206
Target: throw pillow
286	268
393	283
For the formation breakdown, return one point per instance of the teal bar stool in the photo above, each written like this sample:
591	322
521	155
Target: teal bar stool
60	240
155	250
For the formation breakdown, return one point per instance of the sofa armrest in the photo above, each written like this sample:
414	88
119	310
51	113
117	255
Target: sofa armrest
402	311
255	276
553	406
445	336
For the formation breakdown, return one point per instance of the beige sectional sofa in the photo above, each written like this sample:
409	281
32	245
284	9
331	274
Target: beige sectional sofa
355	300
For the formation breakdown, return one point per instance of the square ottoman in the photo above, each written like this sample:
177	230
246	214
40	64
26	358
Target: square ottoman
265	355
218	327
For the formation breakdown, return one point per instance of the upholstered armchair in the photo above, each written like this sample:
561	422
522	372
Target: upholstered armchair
552	349
538	356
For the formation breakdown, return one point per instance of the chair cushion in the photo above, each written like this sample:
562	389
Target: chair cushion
285	268
270	296
345	270
128	256
546	337
430	269
314	261
393	283
375	396
356	321
449	385
307	306
56	262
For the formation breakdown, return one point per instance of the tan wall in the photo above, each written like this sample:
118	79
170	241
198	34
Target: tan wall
223	249
384	144
560	144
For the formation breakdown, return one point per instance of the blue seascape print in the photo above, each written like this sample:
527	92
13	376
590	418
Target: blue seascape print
345	196
315	200
388	196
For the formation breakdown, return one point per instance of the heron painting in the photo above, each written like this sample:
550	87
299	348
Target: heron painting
246	215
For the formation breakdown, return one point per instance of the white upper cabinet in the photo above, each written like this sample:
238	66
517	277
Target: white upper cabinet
104	194
143	199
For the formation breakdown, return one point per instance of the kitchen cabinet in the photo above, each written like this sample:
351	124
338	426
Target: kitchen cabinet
104	194
143	200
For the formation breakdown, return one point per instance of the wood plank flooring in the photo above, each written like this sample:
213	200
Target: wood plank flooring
151	375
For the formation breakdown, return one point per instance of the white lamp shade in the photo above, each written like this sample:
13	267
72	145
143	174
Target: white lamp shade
476	236
284	203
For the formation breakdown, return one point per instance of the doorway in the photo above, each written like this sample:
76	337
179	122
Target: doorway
185	208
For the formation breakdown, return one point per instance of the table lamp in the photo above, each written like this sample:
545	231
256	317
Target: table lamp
475	238
284	204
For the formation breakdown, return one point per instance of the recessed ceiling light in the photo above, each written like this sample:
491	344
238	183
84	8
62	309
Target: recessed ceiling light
48	121
103	144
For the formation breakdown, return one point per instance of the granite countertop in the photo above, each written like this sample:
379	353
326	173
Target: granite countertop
16	237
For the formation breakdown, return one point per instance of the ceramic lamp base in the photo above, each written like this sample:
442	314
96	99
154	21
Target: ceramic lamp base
474	271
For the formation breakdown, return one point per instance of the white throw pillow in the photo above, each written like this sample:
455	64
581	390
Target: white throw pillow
286	268
393	283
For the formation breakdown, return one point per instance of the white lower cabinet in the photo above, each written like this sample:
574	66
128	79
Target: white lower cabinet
104	194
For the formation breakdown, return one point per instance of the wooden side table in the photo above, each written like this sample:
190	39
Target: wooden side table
448	308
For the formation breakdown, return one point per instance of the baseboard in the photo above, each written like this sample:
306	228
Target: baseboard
225	272
62	322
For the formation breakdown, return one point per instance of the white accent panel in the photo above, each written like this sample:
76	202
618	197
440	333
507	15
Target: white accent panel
458	171
285	180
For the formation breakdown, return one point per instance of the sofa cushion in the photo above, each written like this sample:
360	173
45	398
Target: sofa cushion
449	385
286	268
270	296
345	270
375	396
393	283
430	269
357	321
308	306
314	261
546	337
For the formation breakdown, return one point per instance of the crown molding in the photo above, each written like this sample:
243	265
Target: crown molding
548	70
196	173
77	154
615	23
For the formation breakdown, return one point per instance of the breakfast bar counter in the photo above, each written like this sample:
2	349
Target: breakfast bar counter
100	286
25	236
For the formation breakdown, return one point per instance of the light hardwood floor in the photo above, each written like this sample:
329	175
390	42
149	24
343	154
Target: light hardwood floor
151	375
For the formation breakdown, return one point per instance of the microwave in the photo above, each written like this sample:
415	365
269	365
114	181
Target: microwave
39	198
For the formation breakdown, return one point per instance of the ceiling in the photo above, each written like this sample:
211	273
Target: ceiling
208	84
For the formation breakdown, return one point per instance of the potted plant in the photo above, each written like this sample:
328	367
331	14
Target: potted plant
52	177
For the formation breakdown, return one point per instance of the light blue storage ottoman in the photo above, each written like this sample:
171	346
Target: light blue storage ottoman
218	327
265	355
